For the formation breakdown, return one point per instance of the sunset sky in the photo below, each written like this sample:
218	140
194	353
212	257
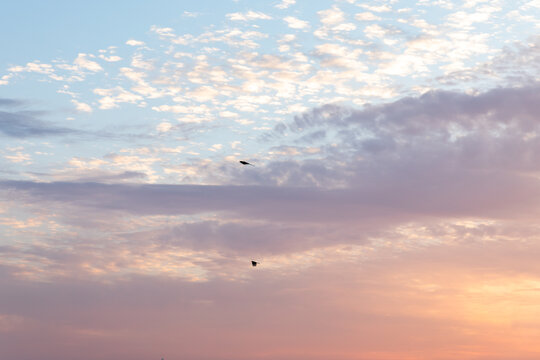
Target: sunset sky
393	205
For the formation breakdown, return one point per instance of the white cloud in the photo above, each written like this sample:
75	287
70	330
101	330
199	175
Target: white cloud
285	4
33	67
175	150
112	58
204	93
377	31
250	15
82	107
332	16
446	4
84	63
190	14
196	118
171	108
19	157
287	38
163	32
374	8
111	97
295	23
164	127
532	4
141	86
228	114
141	63
132	42
284	48
245	122
344	27
473	3
366	16
333	20
132	74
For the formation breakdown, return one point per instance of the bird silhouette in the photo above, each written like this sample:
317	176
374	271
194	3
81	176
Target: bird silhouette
254	263
245	163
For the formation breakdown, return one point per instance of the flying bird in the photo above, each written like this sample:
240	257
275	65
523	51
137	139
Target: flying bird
254	263
245	163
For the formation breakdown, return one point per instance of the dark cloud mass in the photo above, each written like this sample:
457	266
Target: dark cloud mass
435	136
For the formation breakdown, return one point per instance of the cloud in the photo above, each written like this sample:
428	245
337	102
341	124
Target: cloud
11	102
112	58
35	67
377	8
436	110
248	16
83	62
332	16
123	176
295	23
133	42
285	4
417	190
112	97
187	199
243	239
190	14
22	125
164	127
19	158
366	16
516	64
80	106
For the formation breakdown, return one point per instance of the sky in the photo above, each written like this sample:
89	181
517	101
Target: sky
393	204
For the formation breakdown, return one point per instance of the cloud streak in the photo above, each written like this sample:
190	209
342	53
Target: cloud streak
23	125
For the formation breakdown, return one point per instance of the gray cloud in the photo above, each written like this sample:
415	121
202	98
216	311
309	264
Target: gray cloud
22	125
301	204
11	102
433	111
391	194
253	238
94	175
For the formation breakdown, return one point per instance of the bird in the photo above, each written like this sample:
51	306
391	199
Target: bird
245	163
254	263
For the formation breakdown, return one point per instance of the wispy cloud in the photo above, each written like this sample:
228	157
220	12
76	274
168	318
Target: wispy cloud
23	124
11	102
